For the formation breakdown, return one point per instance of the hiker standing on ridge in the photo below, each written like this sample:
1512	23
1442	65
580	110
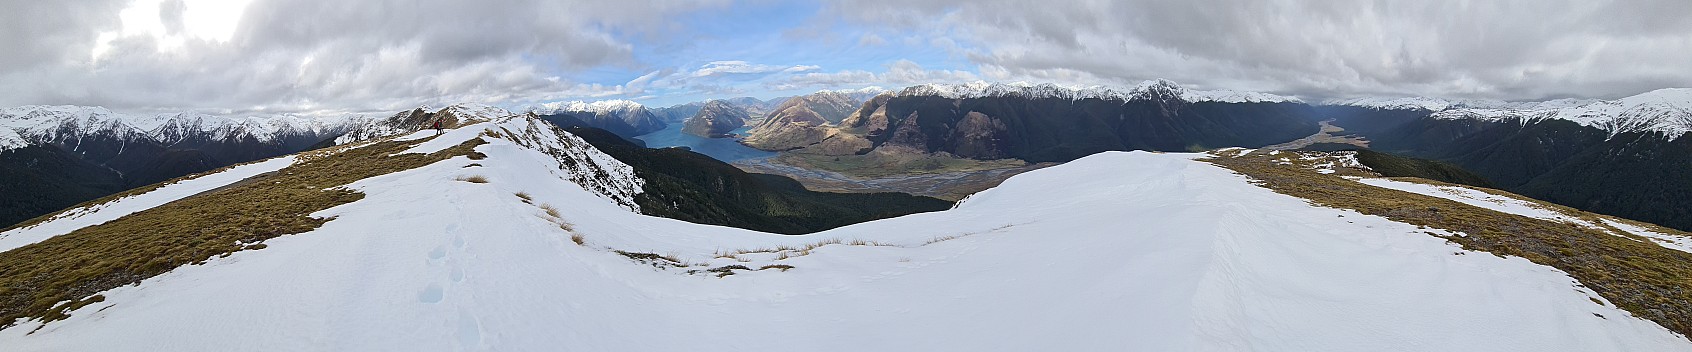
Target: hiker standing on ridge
437	127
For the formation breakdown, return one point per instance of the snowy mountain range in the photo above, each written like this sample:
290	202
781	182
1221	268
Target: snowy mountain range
1668	111
509	234
68	124
623	117
1148	90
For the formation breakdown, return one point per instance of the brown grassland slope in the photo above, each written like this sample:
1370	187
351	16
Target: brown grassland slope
1646	279
47	279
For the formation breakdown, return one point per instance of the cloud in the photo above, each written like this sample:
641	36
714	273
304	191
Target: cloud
900	72
871	40
299	55
1495	49
745	69
318	54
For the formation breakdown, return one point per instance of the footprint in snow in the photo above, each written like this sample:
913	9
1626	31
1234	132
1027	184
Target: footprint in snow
469	330
431	294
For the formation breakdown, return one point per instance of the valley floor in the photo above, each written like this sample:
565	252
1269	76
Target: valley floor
1329	134
950	185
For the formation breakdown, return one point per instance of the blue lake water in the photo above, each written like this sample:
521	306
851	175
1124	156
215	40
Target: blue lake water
725	149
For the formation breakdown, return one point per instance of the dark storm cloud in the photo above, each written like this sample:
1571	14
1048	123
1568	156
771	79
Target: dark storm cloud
41	32
1489	49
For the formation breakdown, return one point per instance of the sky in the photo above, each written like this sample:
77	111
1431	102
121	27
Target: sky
301	56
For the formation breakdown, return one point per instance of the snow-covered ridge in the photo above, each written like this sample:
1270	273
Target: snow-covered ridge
22	125
473	111
864	90
1668	111
1148	90
1439	104
604	107
577	161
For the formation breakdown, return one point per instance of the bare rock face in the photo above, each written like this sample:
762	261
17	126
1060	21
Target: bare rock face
979	136
871	118
716	119
802	121
909	134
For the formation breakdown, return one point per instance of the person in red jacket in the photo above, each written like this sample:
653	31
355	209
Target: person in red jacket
437	127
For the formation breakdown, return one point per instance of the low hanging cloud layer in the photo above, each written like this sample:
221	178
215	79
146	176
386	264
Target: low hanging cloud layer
318	55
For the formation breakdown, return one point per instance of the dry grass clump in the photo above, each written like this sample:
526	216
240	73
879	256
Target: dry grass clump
1643	278
73	267
857	242
473	179
782	267
962	235
944	239
551	214
787	251
655	260
550	210
726	270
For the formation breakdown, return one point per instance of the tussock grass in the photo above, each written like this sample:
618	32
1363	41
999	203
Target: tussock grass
790	251
655	260
1643	278
962	235
73	267
473	179
551	214
550	210
782	267
727	270
943	239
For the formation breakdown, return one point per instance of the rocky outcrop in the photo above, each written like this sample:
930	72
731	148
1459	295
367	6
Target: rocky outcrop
716	119
802	121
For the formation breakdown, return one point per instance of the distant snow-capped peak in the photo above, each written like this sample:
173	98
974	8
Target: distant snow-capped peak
864	93
40	123
477	111
864	90
1442	104
1153	89
596	107
1666	110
